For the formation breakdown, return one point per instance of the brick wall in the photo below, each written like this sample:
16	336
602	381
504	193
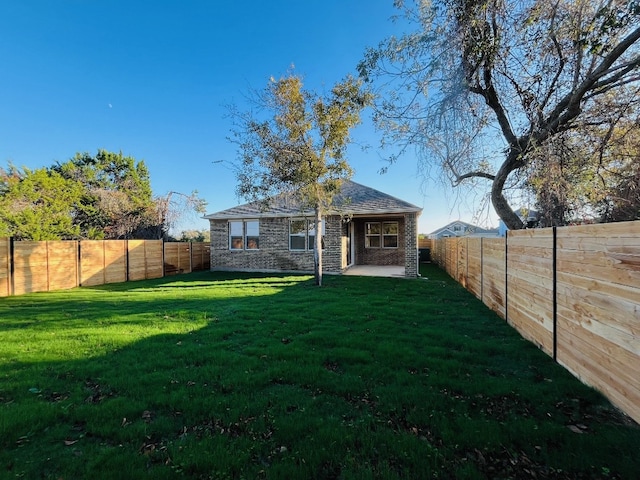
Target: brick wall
411	245
274	253
333	244
379	256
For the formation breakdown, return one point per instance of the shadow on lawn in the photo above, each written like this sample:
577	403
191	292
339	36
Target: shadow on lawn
225	375
127	397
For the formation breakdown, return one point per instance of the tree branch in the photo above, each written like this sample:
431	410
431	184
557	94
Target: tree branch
478	174
569	107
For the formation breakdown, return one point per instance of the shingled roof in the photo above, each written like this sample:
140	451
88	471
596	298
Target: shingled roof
353	199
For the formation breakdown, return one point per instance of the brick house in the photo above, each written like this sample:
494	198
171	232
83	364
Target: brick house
366	227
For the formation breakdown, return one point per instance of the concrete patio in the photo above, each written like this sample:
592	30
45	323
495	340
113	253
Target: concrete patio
375	271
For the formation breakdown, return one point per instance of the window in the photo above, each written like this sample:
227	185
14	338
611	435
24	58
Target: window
244	235
302	234
312	234
252	233
297	235
381	235
236	235
372	235
390	234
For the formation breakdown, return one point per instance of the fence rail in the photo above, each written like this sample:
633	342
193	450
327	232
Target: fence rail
27	267
573	291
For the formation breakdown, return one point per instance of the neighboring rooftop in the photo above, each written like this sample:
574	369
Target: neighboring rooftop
458	228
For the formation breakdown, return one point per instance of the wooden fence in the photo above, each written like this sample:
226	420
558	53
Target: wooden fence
573	291
424	243
27	267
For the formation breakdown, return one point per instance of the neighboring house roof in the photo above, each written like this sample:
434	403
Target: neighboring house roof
467	229
483	232
525	214
353	199
444	232
449	228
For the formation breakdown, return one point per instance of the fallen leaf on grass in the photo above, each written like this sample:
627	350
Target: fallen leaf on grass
575	429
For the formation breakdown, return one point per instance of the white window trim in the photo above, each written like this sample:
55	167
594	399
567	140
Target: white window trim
308	247
245	235
297	235
382	235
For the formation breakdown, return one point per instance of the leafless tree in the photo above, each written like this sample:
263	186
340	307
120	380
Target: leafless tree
483	88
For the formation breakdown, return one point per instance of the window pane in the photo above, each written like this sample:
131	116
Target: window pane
236	243
372	242
311	228
372	228
253	243
235	229
390	241
297	234
296	242
297	227
390	228
253	228
235	236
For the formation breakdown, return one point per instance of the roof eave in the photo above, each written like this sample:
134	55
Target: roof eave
305	213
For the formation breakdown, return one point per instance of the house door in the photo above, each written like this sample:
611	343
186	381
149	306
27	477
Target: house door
349	250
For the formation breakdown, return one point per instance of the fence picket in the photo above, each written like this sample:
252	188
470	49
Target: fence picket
55	265
574	292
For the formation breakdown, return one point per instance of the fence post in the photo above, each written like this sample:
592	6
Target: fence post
104	262
506	276
555	294
482	269
146	266
12	267
79	264
163	270
467	272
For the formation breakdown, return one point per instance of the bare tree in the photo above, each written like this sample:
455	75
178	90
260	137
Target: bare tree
481	88
169	208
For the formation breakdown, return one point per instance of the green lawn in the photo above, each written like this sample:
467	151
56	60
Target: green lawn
220	375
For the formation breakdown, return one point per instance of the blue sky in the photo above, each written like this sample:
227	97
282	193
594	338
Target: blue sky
153	78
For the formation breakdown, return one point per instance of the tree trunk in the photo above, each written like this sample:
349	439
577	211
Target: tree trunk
500	204
317	252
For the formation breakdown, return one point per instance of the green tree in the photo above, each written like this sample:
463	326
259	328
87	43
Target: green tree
300	149
117	201
483	88
103	196
38	204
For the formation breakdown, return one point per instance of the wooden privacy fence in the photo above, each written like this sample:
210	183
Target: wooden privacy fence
27	267
424	243
573	291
